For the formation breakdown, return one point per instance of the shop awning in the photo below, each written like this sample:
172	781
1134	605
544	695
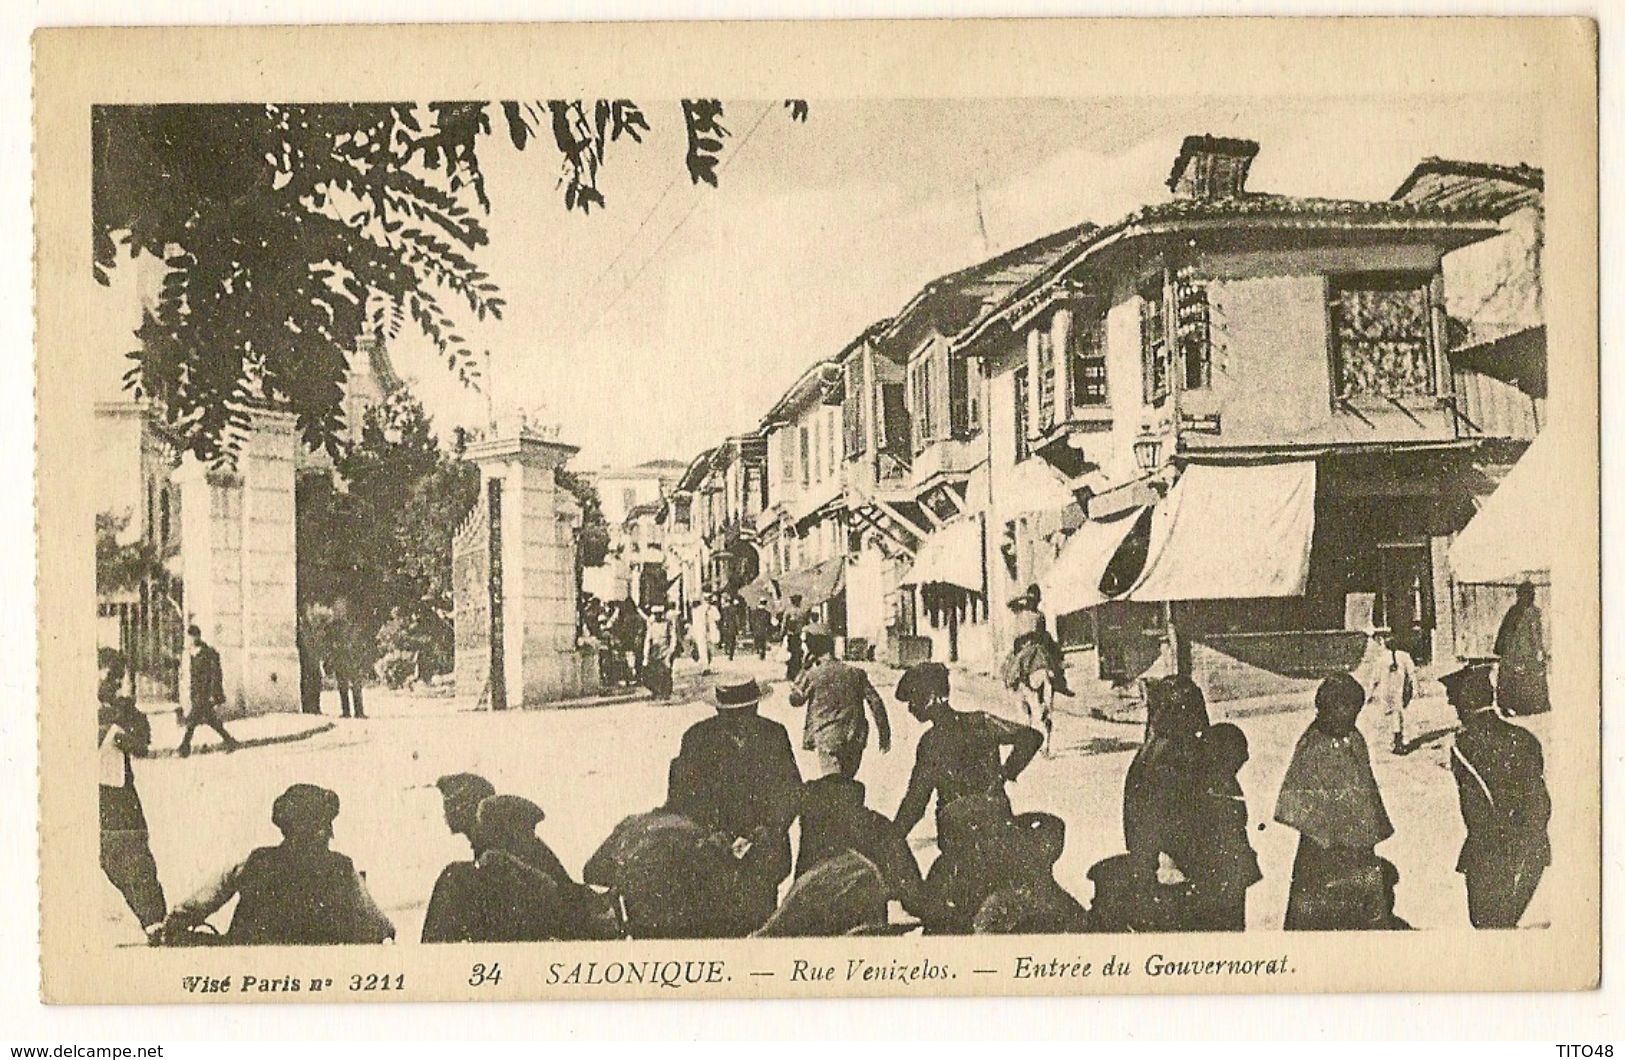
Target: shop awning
1033	486
815	584
1074	581
951	556
1231	533
760	593
1500	543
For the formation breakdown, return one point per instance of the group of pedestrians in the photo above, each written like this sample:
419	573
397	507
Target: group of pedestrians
714	859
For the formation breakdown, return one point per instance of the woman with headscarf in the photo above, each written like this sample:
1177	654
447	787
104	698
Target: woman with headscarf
1162	808
1330	796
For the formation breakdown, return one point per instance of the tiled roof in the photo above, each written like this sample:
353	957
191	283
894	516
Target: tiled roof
1494	188
1277	211
956	300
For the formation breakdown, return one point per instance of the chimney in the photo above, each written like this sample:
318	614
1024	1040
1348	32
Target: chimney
1211	167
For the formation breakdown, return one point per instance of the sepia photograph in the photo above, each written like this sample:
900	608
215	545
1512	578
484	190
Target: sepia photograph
789	539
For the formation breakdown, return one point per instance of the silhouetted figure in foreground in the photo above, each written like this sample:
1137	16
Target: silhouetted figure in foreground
747	787
299	893
122	733
1028	900
1500	778
1330	796
850	866
671	877
961	760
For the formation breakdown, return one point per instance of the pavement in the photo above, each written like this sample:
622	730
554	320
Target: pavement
590	766
260	731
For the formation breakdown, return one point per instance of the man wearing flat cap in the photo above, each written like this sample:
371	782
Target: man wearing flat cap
747	787
516	891
835	694
961	760
461	794
298	893
1500	777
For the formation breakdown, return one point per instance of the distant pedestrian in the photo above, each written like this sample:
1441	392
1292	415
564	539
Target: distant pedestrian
1501	781
348	654
299	893
123	732
659	652
795	622
1330	796
702	627
835	694
748	788
761	629
1390	688
206	692
1520	645
310	672
730	617
1034	668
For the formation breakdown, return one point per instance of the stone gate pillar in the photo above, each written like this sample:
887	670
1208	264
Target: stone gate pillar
238	564
530	532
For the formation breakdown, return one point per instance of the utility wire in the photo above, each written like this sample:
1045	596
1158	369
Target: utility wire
695	205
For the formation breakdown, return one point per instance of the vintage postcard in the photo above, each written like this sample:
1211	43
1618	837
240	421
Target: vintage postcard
797	509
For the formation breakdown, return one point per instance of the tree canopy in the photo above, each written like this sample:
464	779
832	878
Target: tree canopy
289	230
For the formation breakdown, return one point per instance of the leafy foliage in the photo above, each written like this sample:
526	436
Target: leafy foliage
122	566
381	539
288	230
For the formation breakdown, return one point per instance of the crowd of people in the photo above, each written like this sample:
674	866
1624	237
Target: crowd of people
639	645
716	860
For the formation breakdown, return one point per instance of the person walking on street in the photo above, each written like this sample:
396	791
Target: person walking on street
746	787
961	760
123	732
1501	780
1330	796
1391	686
206	692
299	893
795	622
702	624
1520	644
310	672
731	615
659	650
761	630
835	694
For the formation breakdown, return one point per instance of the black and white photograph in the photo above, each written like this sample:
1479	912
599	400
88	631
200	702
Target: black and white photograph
709	541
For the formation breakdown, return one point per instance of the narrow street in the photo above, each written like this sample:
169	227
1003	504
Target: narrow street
590	766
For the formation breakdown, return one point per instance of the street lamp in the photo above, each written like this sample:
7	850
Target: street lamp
1148	453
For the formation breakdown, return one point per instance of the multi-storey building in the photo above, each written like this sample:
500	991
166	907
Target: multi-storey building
1254	399
802	534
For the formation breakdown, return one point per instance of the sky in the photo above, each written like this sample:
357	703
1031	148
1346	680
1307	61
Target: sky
678	315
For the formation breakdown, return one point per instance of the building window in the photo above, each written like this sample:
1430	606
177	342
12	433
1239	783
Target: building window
853	406
805	449
964	406
1154	354
923	405
1023	450
1046	379
832	437
1088	353
818	450
1195	335
1382	335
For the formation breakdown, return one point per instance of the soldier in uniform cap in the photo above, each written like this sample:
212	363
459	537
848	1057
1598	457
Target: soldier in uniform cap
835	694
961	760
298	893
747	787
1500	777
